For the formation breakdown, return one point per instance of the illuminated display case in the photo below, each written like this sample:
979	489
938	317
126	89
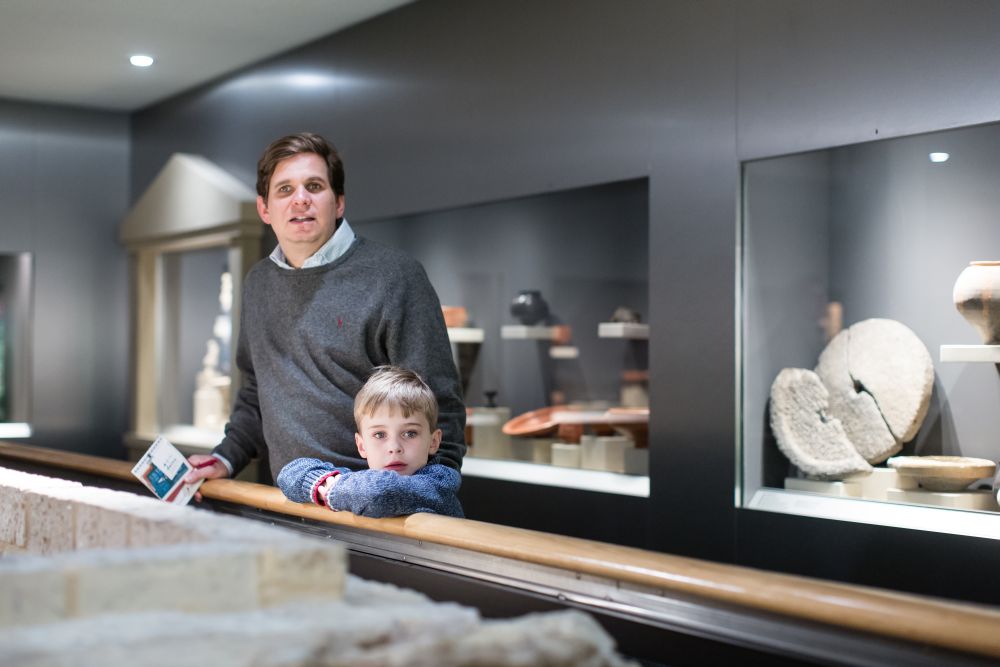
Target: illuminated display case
548	296
15	344
191	238
865	393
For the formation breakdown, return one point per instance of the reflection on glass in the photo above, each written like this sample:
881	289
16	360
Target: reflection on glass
837	239
15	344
196	340
530	287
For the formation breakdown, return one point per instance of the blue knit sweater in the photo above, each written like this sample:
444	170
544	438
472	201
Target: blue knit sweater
375	493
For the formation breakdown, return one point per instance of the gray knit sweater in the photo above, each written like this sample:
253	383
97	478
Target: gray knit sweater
375	493
309	339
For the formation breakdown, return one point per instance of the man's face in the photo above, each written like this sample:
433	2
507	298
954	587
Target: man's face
301	206
390	441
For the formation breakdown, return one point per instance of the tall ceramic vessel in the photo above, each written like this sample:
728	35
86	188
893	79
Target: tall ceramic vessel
977	297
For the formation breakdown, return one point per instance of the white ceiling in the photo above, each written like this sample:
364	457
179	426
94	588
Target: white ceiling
76	52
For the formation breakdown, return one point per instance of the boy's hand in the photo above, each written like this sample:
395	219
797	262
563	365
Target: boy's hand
204	467
325	487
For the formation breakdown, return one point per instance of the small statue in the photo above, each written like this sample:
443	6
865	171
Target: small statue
212	387
211	396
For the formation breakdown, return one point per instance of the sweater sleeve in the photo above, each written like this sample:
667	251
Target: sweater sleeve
418	339
384	493
299	478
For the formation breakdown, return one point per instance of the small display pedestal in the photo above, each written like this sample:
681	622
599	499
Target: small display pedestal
973	353
875	486
623	330
984	500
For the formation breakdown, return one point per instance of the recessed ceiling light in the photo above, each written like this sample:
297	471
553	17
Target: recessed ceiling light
939	157
141	61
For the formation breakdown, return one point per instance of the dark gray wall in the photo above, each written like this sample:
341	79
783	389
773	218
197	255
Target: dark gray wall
447	103
64	191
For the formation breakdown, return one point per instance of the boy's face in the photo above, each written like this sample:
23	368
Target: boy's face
390	441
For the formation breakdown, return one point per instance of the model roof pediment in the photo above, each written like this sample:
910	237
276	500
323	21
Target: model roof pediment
190	195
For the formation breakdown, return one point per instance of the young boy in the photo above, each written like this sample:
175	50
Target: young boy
394	413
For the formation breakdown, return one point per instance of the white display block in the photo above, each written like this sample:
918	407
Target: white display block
967	500
15	430
522	332
564	352
973	353
873	486
623	330
466	335
604	452
566	454
549	475
839	489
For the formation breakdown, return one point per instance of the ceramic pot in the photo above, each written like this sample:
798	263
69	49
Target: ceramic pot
529	307
977	297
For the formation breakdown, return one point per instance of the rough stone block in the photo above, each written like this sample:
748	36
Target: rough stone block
157	526
12	517
301	569
101	528
189	578
31	592
50	523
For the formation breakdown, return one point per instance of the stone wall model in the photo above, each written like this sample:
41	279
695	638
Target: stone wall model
127	580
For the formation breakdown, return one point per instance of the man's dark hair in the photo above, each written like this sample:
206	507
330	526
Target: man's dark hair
294	144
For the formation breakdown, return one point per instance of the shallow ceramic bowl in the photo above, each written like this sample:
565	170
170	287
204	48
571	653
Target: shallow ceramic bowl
942	473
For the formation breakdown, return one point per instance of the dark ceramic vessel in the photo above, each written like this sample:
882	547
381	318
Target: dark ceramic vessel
529	307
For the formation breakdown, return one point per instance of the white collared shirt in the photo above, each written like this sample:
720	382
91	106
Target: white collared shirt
336	246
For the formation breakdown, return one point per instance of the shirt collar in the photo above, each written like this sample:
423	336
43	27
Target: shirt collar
336	246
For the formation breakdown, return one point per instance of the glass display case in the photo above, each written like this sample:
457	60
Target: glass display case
191	237
545	297
15	344
868	368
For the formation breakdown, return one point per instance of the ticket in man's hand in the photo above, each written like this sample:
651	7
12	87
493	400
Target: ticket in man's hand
162	469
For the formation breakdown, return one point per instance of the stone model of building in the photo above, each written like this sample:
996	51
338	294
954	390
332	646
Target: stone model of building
94	576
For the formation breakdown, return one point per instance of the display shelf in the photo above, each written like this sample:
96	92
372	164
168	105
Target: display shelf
466	335
15	430
623	330
982	500
973	353
892	514
523	332
548	475
564	352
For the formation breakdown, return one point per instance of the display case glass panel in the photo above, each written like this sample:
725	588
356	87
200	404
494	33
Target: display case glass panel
196	358
547	298
832	243
15	344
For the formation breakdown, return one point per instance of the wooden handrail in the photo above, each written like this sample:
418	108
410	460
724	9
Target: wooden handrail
913	618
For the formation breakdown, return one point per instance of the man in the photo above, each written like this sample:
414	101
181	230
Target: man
317	315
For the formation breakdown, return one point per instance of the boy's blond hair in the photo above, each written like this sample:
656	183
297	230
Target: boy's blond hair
395	387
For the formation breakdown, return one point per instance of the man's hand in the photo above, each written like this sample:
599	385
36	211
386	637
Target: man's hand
211	468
